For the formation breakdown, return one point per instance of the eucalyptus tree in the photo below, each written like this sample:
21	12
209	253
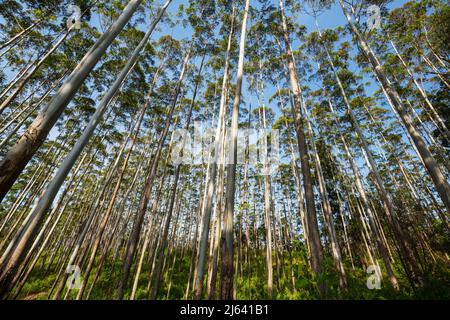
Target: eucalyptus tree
42	58
226	271
213	163
135	233
311	215
101	193
439	180
173	195
345	89
20	154
23	242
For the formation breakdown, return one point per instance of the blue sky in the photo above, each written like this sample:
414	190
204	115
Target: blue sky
331	18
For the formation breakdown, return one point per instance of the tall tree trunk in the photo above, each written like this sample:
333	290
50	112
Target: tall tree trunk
440	122
20	34
311	216
370	213
211	181
440	182
385	195
139	219
18	156
46	200
226	272
24	80
156	284
118	184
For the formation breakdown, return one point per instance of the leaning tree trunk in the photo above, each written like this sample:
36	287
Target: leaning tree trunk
441	184
29	109
136	229
24	80
440	123
23	243
155	288
117	186
20	34
378	237
20	154
385	195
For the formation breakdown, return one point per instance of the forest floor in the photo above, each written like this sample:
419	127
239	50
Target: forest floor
251	282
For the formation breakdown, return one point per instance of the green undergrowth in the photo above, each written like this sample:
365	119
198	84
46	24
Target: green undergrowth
292	281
